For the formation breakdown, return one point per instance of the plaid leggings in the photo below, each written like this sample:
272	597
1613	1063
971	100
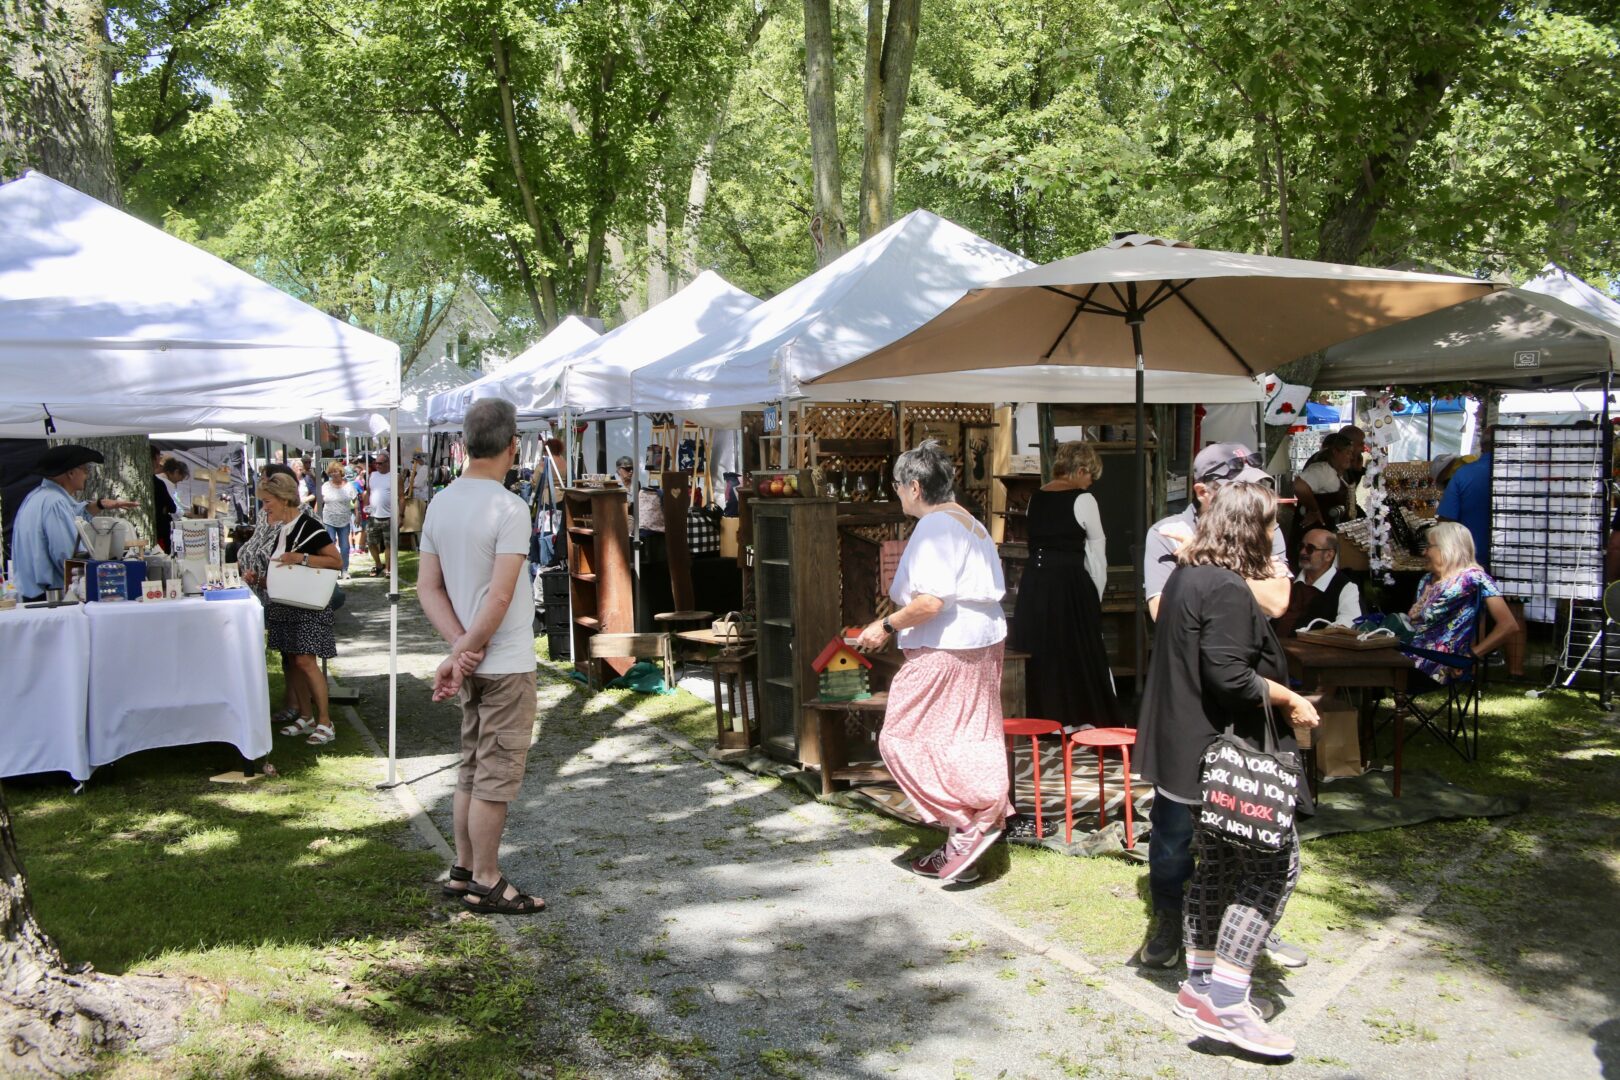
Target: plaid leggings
1236	896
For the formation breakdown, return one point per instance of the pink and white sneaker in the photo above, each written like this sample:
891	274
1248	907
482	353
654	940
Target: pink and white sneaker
964	850
930	865
1241	1026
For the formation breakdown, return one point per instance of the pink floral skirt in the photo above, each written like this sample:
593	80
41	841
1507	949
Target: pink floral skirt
942	736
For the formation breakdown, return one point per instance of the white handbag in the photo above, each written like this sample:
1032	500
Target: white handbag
300	586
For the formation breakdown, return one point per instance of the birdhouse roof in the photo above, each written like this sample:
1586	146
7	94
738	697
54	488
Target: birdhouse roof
833	648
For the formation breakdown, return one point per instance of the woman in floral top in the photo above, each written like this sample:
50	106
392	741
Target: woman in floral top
1443	617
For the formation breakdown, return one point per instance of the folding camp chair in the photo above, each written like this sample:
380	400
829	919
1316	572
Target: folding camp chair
1454	721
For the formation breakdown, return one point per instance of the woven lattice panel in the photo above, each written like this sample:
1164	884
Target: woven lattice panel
850	421
971	415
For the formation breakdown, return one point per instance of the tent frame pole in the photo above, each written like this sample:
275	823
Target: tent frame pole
393	597
1605	696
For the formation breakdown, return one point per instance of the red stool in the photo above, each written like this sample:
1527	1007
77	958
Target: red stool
1034	729
1099	739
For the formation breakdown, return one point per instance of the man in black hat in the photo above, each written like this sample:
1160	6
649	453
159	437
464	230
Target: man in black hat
46	533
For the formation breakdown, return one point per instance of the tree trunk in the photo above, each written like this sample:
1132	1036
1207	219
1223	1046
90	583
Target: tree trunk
53	1020
891	45
520	172
126	474
659	282
56	96
820	97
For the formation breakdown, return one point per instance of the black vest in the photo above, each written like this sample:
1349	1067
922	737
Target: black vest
1325	605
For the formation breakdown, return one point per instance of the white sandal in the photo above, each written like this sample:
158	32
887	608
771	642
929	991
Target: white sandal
323	734
303	726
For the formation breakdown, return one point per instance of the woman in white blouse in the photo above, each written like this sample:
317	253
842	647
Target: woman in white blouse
1058	620
942	737
337	510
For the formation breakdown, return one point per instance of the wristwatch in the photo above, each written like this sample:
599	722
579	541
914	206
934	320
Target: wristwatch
306	558
888	627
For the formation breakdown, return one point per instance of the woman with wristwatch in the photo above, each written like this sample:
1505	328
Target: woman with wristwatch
942	737
303	637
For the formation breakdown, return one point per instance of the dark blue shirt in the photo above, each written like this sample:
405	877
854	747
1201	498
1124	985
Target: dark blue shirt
1468	500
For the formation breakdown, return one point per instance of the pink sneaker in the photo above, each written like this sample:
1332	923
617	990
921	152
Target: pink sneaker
1241	1026
931	864
1188	1000
964	850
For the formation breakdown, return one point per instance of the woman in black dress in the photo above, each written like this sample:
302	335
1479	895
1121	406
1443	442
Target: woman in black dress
1058	617
300	635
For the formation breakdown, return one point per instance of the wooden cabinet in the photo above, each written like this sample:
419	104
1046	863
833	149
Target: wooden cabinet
597	524
1019	488
796	591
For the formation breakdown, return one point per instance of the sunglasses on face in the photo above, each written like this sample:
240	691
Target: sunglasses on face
1311	549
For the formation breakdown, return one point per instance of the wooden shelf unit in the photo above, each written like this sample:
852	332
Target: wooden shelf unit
598	528
796	589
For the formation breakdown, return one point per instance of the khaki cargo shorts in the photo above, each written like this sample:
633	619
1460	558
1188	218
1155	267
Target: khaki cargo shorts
497	726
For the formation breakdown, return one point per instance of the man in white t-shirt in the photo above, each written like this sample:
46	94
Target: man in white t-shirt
475	542
381	489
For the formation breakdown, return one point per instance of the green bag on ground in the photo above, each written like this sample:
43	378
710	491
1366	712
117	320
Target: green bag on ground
643	678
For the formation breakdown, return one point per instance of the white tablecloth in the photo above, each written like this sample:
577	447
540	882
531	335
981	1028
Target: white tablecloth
175	673
44	658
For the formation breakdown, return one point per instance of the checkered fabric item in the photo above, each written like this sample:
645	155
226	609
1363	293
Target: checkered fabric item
703	533
1236	896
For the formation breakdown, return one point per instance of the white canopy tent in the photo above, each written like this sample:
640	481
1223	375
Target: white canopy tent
598	377
872	296
1553	330
531	375
110	326
442	376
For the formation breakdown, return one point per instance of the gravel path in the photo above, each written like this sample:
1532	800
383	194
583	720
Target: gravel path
741	930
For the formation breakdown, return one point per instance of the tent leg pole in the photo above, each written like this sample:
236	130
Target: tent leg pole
1605	698
393	598
635	526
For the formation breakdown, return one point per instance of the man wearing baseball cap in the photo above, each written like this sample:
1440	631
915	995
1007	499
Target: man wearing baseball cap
1170	858
46	533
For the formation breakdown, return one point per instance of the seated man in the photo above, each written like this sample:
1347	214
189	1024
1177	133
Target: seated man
1322	589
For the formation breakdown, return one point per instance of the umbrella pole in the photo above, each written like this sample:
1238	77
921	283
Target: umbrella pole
1140	496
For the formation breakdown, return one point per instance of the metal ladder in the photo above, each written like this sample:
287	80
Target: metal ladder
1586	629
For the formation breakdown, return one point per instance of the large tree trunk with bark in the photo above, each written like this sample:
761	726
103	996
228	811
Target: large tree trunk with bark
56	101
54	1019
820	97
891	45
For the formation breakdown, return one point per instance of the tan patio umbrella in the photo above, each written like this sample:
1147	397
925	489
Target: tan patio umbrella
1142	301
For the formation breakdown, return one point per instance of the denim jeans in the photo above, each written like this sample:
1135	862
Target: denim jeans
340	537
1170	856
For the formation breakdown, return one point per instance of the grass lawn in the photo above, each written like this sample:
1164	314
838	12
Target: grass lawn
304	898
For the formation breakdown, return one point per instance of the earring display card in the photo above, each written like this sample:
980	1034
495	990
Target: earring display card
1549	515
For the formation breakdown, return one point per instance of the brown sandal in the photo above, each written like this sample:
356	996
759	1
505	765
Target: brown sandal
492	900
457	873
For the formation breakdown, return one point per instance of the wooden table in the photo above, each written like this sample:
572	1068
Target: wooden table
732	666
1329	669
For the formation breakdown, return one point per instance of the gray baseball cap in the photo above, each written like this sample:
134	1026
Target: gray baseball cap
1228	462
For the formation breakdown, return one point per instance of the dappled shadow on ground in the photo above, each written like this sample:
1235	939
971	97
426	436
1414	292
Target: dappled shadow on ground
732	932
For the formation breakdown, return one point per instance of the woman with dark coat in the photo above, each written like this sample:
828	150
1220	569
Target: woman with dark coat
1216	663
1058	618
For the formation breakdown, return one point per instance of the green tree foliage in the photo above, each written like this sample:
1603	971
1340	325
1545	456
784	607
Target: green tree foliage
373	156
